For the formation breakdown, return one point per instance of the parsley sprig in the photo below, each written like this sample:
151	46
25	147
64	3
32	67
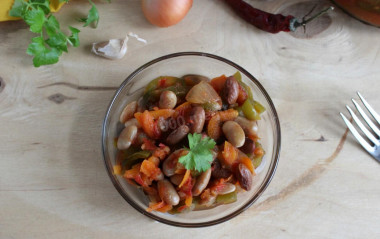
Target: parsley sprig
51	42
199	157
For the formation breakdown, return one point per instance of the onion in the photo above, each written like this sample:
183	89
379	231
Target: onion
203	93
165	13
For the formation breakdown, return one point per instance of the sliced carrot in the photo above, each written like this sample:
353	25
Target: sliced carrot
228	115
117	169
188	200
254	137
229	154
148	168
154	160
155	206
165	113
133	172
146	121
185	178
213	128
165	208
218	82
182	109
214	125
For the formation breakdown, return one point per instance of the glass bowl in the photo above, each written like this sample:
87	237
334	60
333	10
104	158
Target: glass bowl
179	64
367	11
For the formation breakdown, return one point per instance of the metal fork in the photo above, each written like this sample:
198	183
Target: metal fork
373	149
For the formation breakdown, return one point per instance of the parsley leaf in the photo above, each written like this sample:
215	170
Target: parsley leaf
93	16
35	19
74	38
18	9
42	54
43	4
51	40
199	157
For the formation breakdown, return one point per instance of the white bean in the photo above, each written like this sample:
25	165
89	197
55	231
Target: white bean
126	137
132	121
168	100
234	133
128	112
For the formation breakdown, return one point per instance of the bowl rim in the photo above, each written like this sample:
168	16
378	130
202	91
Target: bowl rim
242	208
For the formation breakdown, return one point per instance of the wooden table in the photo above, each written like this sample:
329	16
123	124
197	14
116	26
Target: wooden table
53	183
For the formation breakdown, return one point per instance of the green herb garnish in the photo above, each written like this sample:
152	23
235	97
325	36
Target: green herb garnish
93	16
51	41
199	157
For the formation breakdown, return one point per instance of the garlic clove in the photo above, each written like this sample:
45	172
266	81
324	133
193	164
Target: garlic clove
112	49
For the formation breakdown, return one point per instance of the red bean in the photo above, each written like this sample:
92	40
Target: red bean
167	192
244	176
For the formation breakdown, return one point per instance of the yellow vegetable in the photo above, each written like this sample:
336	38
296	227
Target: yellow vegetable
6	5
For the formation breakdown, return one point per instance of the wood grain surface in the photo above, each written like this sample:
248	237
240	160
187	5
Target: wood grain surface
53	183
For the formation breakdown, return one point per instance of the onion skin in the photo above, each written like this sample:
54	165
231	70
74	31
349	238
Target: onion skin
165	13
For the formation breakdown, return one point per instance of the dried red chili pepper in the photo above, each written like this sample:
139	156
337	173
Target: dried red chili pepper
269	22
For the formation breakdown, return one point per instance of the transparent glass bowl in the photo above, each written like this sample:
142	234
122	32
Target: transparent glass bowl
179	64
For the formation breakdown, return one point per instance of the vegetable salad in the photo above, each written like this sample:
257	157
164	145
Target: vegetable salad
190	142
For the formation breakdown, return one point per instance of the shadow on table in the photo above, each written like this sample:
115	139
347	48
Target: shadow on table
95	189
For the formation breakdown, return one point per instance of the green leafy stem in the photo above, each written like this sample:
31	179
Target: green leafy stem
51	42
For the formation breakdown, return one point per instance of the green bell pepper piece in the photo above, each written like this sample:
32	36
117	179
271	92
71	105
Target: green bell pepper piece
134	158
226	198
258	107
250	111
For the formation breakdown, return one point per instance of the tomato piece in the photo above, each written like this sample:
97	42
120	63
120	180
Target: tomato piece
242	96
218	82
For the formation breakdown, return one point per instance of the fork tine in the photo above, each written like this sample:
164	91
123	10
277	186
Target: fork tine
366	118
362	141
362	127
369	108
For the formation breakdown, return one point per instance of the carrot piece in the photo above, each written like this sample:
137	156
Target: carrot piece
182	109
213	128
147	123
214	125
188	200
228	115
148	168
155	206
254	137
218	82
154	160
117	169
133	172
165	208
248	163
165	113
229	154
185	178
